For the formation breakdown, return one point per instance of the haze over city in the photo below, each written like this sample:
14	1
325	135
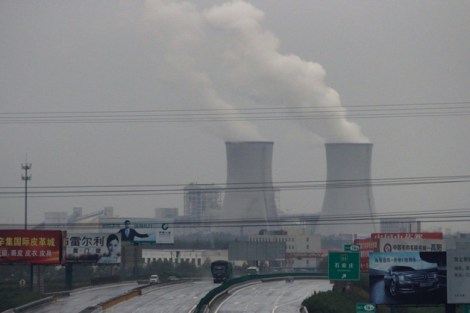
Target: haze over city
139	93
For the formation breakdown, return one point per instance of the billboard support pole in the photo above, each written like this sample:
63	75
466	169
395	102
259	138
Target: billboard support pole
68	275
27	166
31	277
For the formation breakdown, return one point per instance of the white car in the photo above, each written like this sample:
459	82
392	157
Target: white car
154	279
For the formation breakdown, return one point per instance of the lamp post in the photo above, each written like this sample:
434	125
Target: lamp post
26	167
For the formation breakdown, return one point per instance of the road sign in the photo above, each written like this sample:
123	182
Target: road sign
351	247
365	308
466	308
343	265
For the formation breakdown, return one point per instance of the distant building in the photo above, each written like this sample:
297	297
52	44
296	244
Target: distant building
56	219
196	257
166	213
400	225
202	202
302	250
77	221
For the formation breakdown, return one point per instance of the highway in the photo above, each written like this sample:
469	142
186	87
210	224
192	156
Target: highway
271	297
179	297
83	298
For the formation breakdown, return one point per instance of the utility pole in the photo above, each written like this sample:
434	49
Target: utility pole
26	167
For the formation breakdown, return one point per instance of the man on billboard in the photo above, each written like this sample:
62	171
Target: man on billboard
128	233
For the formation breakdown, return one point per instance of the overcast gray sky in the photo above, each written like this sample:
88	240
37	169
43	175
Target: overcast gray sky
128	58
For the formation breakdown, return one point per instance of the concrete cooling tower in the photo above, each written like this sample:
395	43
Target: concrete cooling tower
249	195
348	191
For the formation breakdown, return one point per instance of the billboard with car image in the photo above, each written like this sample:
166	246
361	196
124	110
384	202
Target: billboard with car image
408	277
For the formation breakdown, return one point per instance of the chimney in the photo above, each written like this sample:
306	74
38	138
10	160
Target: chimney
249	194
348	191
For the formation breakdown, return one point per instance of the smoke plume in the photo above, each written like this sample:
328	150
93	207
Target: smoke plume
223	58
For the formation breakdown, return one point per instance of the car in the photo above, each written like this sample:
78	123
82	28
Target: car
252	270
399	280
173	278
154	279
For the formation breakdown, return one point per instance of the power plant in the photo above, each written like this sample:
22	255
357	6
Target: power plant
348	191
249	197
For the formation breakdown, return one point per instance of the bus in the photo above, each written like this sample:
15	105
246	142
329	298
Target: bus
221	271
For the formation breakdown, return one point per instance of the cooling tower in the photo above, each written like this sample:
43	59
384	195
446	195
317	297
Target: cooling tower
348	204
249	194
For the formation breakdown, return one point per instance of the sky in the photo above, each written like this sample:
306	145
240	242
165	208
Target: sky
145	93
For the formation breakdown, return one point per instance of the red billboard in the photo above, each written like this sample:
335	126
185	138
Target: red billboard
31	246
367	245
407	236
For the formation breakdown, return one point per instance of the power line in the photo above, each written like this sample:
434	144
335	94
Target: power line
178	189
241	114
424	216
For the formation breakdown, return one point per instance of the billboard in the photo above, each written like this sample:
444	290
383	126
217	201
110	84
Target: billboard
164	234
142	231
31	246
407	236
395	242
97	248
367	246
412	244
408	277
458	278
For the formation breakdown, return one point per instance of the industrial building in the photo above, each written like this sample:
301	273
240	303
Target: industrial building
348	204
249	198
303	251
176	256
202	201
400	225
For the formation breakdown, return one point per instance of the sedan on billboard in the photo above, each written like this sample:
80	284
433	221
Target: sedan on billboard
400	280
408	277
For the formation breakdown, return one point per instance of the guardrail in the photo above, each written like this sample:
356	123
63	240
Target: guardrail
33	304
116	300
209	299
138	291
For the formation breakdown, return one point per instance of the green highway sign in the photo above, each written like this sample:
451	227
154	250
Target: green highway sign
365	308
351	247
466	308
343	265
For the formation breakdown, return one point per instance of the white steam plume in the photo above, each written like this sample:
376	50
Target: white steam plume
224	53
180	29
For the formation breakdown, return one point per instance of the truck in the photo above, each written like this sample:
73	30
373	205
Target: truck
221	271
